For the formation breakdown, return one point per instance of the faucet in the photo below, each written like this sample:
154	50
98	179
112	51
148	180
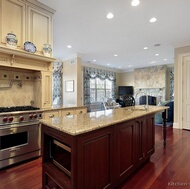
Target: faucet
143	93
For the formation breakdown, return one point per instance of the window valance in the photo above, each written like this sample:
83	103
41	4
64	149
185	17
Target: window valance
98	73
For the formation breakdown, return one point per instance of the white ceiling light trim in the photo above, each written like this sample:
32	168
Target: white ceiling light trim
110	15
69	46
135	3
153	19
145	48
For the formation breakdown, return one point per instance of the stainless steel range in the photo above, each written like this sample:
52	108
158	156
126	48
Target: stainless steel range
19	134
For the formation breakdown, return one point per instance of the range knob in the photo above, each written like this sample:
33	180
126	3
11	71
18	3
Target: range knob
5	119
21	118
35	116
30	116
11	118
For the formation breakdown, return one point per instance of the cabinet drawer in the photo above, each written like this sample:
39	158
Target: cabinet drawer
67	112
51	114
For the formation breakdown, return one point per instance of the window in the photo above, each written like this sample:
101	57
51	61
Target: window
100	89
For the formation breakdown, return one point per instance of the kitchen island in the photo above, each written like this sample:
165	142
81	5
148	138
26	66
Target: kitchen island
98	149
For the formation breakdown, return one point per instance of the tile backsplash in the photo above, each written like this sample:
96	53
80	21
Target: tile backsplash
16	88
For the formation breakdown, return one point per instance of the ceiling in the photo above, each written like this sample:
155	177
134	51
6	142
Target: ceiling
83	25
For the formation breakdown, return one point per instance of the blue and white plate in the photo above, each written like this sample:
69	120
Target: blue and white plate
30	47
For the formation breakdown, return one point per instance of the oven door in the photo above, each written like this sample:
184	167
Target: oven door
19	139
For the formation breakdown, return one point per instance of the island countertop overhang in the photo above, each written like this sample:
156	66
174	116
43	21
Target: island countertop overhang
86	122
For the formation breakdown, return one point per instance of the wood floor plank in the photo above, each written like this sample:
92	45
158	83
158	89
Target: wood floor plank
168	167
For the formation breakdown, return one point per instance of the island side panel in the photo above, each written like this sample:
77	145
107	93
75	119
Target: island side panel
95	159
125	133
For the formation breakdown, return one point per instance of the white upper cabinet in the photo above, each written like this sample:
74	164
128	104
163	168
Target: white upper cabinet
29	20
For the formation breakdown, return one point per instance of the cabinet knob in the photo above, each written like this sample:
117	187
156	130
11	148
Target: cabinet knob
51	116
68	113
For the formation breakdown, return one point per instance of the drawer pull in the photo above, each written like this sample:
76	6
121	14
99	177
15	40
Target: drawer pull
51	116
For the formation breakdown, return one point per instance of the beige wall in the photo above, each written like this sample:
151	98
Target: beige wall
126	78
72	72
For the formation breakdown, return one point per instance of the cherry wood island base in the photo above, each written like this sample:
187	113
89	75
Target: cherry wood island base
102	158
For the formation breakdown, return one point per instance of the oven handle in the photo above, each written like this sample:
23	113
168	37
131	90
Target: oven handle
19	125
14	150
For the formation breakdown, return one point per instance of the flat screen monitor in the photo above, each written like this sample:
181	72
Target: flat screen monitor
125	90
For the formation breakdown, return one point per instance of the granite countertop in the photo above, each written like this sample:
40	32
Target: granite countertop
82	123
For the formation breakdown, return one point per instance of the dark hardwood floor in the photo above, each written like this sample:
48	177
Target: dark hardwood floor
168	167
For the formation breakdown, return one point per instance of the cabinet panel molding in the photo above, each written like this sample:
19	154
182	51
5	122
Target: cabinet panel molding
39	24
13	19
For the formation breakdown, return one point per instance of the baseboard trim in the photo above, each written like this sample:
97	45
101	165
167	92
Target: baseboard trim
176	126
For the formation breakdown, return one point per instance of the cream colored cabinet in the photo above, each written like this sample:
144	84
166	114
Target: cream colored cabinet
43	90
51	114
13	18
46	89
73	111
36	18
29	20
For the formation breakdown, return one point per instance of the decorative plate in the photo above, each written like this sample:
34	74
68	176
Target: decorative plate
30	47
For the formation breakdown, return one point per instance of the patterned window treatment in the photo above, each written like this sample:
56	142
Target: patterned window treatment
171	83
57	83
92	73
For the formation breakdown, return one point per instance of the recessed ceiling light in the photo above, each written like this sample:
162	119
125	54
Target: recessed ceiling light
153	20
69	46
119	67
157	45
145	48
156	54
165	59
110	15
115	55
108	64
94	60
153	62
135	3
130	66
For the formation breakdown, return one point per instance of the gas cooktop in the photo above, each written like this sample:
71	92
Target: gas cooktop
17	108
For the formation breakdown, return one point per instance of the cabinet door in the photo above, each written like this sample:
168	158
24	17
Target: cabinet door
46	89
125	145
150	136
12	19
39	24
95	159
141	140
145	138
